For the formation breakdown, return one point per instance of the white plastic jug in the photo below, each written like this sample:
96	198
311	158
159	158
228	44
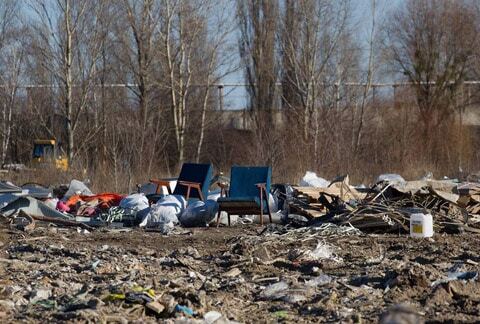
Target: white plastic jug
421	225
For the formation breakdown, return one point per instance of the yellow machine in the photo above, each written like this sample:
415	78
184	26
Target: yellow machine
45	152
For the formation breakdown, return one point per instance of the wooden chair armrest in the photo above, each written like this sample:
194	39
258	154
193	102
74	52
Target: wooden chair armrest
189	183
161	183
262	188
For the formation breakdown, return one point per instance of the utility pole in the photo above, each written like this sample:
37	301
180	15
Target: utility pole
220	96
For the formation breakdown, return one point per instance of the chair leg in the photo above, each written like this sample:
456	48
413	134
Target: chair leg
268	207
261	208
218	217
269	214
228	219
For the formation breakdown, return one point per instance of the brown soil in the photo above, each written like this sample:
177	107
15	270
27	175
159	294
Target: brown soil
370	274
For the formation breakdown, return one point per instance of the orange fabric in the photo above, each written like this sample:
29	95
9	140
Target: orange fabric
105	200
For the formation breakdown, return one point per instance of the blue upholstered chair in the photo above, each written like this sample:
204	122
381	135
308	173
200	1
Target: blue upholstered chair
248	193
192	183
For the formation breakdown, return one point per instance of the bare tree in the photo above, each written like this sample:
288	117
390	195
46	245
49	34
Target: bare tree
67	45
357	136
218	57
138	32
431	43
310	34
258	24
186	48
11	64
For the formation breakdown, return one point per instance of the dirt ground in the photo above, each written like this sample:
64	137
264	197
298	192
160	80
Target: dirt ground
247	273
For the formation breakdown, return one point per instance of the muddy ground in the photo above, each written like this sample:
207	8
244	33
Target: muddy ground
247	273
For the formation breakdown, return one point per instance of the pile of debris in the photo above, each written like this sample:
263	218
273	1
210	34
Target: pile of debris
76	205
71	255
387	205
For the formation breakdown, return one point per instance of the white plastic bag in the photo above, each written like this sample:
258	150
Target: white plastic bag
310	179
272	203
165	211
277	218
134	202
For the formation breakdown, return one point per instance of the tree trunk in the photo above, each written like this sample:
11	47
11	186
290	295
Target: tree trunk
7	128
202	123
68	83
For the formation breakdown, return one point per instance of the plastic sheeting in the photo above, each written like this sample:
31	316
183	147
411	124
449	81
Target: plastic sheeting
310	179
8	187
77	188
7	198
33	207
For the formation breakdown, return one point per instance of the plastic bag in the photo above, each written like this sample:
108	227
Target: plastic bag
165	211
199	213
310	179
134	202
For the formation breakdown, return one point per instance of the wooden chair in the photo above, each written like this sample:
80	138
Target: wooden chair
248	193
193	182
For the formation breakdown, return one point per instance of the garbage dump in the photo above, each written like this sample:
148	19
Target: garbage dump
334	252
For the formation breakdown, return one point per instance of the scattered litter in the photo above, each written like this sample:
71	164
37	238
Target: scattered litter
321	280
322	251
211	317
452	276
184	309
335	253
40	294
275	291
391	178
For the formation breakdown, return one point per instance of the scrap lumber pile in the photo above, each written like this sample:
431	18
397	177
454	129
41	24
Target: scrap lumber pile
314	202
387	206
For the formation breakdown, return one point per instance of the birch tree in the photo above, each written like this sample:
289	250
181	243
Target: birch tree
310	34
11	65
218	57
138	32
183	31
68	50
